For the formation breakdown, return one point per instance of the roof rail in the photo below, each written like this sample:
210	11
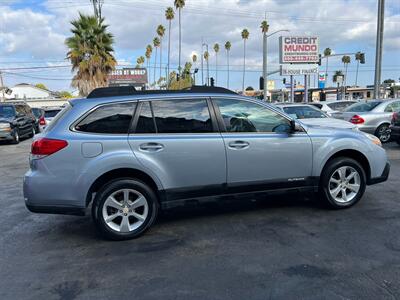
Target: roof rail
130	90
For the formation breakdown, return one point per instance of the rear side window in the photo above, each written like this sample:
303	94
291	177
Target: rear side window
362	106
112	118
175	116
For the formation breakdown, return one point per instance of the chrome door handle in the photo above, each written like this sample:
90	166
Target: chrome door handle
154	147
239	144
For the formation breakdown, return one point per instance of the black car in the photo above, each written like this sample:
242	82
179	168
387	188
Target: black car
16	121
395	127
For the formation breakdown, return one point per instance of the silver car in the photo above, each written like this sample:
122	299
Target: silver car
130	154
372	116
334	106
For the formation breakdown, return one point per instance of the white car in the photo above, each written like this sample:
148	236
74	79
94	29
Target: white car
311	115
331	107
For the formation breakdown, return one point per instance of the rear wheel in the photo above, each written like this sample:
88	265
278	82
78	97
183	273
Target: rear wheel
124	209
343	183
383	133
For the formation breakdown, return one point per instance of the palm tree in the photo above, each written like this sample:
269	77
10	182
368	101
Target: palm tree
140	61
169	15
358	58
245	36
149	51
327	53
206	57
345	60
156	44
160	32
216	49
228	46
179	4
264	29
194	60
90	52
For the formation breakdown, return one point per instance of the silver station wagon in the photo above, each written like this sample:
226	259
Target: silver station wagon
128	154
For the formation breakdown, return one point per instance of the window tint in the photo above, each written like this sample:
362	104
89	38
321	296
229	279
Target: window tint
51	113
363	106
304	112
113	118
182	116
317	105
243	116
145	122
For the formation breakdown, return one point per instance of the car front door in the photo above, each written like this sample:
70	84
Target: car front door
262	154
24	126
177	141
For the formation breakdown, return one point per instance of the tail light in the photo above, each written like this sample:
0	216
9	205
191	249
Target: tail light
356	119
42	121
44	147
395	117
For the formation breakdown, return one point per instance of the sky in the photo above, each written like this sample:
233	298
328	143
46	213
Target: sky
32	35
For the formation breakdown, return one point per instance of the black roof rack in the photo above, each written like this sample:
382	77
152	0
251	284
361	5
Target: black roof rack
130	90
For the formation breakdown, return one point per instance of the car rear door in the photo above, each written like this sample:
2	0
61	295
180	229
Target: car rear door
261	155
177	140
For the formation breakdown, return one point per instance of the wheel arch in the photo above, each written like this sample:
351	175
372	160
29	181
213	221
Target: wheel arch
353	154
120	173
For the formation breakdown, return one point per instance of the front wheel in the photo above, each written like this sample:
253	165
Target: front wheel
343	183
124	209
16	137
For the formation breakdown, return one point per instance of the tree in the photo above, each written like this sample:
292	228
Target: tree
228	46
216	49
327	53
389	81
206	56
264	26
182	83
65	95
179	4
160	32
156	44
187	70
345	60
358	58
169	15
90	53
41	86
149	51
245	36
140	61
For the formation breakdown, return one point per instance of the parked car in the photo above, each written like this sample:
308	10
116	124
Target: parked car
311	115
40	122
131	154
16	121
50	113
372	116
395	127
330	107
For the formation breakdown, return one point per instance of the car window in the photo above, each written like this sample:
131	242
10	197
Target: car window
145	122
244	116
51	113
111	118
392	107
362	106
7	111
304	112
182	116
20	110
317	105
37	112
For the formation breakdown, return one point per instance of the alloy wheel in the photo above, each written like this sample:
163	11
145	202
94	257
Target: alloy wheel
125	210
384	133
344	184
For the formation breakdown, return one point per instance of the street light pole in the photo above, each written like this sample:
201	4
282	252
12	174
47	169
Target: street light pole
265	59
379	46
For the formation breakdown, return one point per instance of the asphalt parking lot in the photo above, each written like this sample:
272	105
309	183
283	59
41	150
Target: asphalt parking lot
286	247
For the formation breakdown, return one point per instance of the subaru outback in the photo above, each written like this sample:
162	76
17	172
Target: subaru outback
128	154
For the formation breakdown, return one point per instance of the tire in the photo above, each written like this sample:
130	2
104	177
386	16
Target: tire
383	133
16	137
332	183
125	221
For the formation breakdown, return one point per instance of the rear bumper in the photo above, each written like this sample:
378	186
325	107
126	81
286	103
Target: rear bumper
382	178
61	210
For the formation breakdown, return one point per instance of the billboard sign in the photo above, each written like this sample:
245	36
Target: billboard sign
306	69
321	80
128	77
298	49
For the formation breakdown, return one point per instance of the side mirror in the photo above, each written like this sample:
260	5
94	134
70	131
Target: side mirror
295	127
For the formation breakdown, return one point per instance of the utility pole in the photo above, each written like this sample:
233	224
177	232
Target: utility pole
265	57
202	72
379	47
97	6
291	89
2	87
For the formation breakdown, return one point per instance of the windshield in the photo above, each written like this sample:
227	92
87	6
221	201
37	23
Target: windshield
51	113
37	112
6	111
304	112
362	106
